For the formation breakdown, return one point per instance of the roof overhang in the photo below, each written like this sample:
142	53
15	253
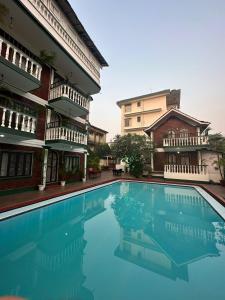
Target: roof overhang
177	113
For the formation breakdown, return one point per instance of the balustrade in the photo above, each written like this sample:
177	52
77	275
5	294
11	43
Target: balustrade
17	57
17	120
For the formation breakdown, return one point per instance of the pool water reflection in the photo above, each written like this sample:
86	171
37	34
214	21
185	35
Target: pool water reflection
123	241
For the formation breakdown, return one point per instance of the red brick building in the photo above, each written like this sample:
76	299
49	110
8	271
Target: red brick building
49	68
181	148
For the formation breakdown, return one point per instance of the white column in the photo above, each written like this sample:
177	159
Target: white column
152	161
44	167
3	117
1	41
17	121
7	52
10	118
85	167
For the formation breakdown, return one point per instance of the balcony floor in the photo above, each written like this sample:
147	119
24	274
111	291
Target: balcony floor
9	202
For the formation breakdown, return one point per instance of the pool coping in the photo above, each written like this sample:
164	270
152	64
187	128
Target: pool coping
207	195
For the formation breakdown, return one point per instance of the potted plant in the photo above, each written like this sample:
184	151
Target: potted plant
40	158
63	175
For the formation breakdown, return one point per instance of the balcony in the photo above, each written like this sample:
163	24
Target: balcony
65	138
67	99
19	68
186	172
17	125
186	142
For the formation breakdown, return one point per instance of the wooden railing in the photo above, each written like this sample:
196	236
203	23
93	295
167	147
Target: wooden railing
17	57
64	90
67	134
20	121
186	141
186	172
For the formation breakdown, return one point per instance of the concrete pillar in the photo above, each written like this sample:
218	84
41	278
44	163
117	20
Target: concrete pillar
152	161
85	167
44	166
199	158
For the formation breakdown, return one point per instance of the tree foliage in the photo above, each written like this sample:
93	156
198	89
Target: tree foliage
93	160
217	144
135	150
102	150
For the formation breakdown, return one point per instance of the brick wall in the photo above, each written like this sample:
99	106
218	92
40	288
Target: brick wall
43	90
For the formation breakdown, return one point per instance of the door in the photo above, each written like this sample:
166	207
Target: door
184	159
52	167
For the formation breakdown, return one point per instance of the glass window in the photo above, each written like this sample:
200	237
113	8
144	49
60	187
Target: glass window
127	107
4	164
172	160
72	163
171	134
15	164
184	133
138	104
138	119
127	122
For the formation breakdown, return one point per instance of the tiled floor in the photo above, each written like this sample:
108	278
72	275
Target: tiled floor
22	199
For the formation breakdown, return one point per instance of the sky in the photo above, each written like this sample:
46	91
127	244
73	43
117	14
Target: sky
156	45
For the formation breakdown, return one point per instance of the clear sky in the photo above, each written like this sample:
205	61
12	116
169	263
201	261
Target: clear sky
155	45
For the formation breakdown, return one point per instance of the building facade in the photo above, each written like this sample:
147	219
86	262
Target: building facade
181	148
50	67
138	112
96	136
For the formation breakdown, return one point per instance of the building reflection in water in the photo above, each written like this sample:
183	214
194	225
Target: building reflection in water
168	231
43	253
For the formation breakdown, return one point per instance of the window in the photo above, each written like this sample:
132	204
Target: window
138	104
172	160
15	164
184	133
138	119
72	163
128	108
127	122
171	134
185	160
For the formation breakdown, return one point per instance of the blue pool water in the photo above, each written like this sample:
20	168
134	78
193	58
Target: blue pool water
125	241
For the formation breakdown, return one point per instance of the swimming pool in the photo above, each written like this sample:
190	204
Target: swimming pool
123	241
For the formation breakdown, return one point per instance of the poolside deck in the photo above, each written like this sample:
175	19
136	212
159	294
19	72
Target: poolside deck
12	201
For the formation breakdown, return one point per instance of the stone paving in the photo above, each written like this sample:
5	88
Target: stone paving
9	202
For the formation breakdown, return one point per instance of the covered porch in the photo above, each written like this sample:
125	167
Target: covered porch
180	165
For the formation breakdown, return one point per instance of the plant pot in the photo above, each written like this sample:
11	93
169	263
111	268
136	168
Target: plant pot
63	182
222	182
41	187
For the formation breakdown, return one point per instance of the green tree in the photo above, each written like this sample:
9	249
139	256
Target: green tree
135	150
217	144
102	150
93	160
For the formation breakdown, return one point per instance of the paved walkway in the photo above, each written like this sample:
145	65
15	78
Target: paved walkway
22	199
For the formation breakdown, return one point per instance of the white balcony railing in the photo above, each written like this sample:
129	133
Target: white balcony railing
186	141
70	38
64	90
186	172
10	118
17	57
66	134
